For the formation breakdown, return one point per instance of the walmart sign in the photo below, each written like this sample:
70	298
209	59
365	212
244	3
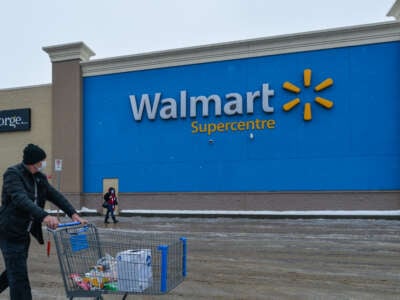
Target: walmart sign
168	108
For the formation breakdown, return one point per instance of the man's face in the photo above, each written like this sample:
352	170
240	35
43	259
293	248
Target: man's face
40	165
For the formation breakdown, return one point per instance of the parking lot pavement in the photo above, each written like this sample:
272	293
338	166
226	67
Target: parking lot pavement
235	258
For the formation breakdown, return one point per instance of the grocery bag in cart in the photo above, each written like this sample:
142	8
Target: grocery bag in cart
134	270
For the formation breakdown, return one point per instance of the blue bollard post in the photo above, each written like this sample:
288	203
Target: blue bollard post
164	268
184	251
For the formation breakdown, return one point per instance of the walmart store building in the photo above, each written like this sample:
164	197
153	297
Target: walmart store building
307	121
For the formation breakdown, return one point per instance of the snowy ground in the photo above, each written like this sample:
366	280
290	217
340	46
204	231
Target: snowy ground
245	258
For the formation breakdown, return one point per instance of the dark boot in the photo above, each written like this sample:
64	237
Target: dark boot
106	220
115	220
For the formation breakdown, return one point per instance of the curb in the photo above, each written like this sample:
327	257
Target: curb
387	215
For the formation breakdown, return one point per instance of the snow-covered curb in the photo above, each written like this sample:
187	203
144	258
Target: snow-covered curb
238	213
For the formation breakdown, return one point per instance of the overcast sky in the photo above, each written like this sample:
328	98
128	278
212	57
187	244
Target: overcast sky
123	27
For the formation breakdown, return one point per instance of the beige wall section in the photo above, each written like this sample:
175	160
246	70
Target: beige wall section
67	114
67	126
38	99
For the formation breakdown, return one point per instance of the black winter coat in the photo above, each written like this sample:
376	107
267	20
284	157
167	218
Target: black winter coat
18	209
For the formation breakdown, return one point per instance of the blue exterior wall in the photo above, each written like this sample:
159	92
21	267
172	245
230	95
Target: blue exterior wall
353	146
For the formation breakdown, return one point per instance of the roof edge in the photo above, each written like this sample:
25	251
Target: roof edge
299	42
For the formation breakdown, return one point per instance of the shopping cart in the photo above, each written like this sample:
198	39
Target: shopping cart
96	261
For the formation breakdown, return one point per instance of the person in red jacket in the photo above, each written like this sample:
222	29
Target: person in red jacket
110	198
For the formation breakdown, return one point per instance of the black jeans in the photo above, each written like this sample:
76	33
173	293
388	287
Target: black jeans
110	210
15	256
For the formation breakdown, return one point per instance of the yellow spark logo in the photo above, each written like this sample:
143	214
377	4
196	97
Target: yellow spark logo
307	83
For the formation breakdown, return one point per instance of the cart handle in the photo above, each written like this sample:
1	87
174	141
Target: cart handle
64	225
68	224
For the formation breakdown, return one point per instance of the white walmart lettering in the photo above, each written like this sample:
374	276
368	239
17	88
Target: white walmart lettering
167	108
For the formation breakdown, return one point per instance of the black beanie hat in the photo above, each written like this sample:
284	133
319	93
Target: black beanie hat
33	154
